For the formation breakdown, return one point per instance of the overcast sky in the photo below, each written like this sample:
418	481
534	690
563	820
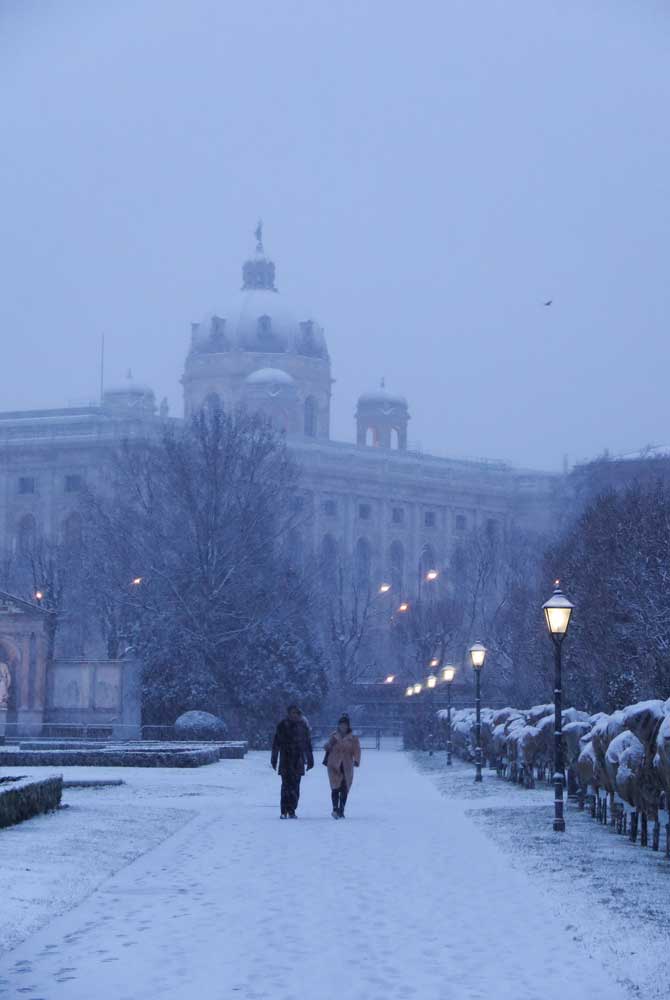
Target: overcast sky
428	173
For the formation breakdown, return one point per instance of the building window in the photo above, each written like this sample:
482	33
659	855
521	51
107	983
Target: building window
27	484
310	417
429	519
330	507
26	534
398	515
364	511
73	484
461	522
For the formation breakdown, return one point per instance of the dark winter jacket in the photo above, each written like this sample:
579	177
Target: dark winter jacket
292	747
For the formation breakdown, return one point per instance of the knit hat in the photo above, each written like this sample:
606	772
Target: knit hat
345	718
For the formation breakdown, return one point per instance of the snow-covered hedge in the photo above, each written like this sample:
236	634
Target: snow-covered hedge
620	761
22	798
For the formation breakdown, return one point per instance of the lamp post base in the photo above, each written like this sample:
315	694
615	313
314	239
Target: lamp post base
559	826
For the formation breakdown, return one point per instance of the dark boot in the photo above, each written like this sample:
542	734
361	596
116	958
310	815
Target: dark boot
335	797
342	792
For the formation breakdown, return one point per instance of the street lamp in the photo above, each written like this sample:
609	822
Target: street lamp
431	684
404	606
409	691
417	689
448	675
435	662
557	614
384	588
477	656
432	574
390	679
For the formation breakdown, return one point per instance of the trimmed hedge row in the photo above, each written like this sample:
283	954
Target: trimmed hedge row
108	758
23	798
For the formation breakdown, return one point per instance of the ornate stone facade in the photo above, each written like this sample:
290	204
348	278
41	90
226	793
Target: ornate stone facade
399	507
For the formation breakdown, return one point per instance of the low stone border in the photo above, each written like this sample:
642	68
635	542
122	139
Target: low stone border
22	798
113	757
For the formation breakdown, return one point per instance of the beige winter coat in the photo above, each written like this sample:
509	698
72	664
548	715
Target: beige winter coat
344	753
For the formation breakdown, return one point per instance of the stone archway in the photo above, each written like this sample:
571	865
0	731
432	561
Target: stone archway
23	647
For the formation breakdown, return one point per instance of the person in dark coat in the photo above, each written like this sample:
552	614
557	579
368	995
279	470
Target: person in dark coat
292	750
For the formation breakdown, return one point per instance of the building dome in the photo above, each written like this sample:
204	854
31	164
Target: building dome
269	376
382	418
129	397
259	318
380	397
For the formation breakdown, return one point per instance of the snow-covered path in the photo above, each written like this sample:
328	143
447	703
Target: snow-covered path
404	899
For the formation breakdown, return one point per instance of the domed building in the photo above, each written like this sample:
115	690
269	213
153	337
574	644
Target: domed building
255	333
373	506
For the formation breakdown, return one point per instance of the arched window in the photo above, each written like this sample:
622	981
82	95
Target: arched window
328	559
310	417
363	562
212	403
26	534
426	560
296	548
397	559
72	530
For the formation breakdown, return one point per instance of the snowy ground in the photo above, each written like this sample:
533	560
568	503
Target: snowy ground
407	898
612	895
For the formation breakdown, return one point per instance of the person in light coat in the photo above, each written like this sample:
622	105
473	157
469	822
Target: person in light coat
343	754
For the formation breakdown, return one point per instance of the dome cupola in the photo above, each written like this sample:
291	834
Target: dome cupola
382	418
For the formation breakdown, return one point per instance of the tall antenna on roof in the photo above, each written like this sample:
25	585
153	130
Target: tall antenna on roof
102	367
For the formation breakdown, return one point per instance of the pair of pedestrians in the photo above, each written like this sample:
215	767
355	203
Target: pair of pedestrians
292	756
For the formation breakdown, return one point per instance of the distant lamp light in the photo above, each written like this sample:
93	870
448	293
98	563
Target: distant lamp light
410	691
557	613
403	607
137	580
448	674
390	679
39	595
477	655
435	662
384	588
431	682
432	574
417	688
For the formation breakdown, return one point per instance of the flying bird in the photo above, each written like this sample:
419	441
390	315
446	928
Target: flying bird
548	302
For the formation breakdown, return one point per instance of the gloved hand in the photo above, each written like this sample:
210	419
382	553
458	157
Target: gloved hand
357	763
273	766
310	766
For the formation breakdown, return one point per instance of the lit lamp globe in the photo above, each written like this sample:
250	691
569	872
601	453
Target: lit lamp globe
448	674
432	681
417	689
477	655
410	691
557	614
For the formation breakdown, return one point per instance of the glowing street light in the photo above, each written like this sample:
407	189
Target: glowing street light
477	656
136	581
417	688
435	662
409	691
557	614
384	588
39	595
431	682
403	607
390	679
432	574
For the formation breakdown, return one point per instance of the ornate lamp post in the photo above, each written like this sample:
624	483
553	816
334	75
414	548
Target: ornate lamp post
448	675
477	656
431	684
557	613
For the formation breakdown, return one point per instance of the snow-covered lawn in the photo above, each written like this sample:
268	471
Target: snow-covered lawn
406	898
612	895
